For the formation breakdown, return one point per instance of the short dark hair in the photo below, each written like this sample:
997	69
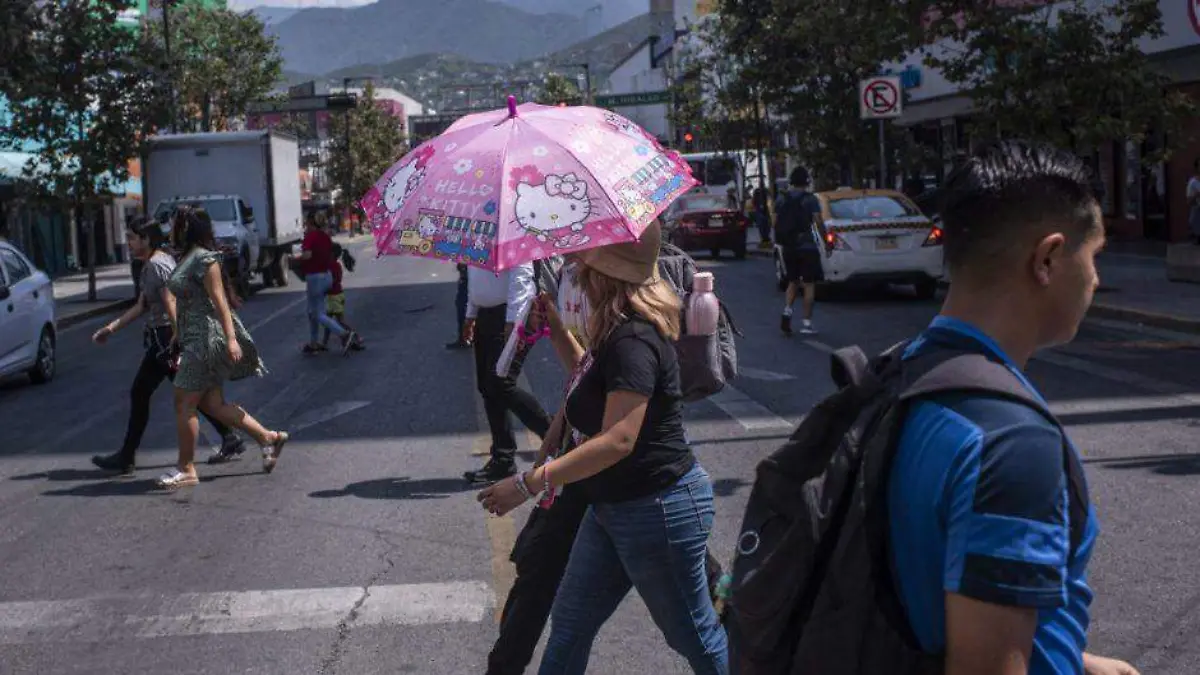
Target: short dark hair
800	177
150	230
1011	188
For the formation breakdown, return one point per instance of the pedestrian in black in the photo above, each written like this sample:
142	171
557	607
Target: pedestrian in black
148	243
460	309
795	231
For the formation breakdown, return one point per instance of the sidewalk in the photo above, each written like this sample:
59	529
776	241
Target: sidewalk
114	291
1135	288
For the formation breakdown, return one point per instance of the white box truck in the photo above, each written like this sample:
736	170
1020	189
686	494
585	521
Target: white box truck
247	181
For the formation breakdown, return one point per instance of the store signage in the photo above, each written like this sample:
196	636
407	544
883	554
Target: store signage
627	100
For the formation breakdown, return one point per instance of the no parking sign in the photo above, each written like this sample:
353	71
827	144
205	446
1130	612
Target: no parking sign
879	98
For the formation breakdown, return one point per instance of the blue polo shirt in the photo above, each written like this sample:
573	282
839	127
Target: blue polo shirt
978	506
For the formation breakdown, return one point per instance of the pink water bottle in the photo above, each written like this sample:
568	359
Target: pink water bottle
703	308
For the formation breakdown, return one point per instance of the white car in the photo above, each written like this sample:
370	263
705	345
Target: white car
876	236
27	330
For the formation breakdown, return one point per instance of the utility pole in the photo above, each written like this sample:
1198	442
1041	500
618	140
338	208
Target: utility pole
166	10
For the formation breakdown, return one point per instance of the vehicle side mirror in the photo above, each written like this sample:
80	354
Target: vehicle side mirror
5	292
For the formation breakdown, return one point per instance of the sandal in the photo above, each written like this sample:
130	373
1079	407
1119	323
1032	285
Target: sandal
176	479
272	452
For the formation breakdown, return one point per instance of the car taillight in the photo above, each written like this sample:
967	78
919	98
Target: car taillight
934	238
834	242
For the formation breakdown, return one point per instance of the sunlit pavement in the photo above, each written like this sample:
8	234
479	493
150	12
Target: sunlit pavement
364	552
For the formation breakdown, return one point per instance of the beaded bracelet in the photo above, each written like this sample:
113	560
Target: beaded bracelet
522	487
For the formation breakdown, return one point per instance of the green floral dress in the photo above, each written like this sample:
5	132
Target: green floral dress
204	363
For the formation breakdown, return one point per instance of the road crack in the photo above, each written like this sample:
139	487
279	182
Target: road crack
341	638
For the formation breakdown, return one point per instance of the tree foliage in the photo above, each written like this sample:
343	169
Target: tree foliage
220	61
714	95
806	58
376	143
1069	73
558	88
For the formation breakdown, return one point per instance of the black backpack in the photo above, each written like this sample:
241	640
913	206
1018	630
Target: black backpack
795	224
811	588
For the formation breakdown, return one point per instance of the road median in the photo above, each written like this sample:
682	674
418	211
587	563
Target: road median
1134	315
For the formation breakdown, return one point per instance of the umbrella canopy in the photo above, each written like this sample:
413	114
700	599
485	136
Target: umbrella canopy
502	188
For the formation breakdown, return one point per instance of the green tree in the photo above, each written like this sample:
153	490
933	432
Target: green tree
1070	73
714	97
557	88
805	59
376	141
220	61
84	98
18	20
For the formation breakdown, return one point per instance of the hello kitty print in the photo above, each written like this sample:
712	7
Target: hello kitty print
498	190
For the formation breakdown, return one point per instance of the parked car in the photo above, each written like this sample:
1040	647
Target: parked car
875	236
705	221
27	329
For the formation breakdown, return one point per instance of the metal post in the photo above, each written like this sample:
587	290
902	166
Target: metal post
882	158
758	144
166	7
587	84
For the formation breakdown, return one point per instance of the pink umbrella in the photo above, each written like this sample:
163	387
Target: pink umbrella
502	188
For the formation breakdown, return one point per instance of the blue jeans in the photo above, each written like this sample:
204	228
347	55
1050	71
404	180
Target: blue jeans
317	285
657	545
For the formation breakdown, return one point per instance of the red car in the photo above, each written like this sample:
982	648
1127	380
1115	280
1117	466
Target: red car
703	221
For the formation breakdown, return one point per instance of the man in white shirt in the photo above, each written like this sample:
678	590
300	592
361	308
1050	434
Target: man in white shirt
495	303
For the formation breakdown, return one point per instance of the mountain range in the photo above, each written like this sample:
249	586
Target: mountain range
323	39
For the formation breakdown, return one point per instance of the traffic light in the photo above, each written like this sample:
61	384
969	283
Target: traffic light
562	104
687	140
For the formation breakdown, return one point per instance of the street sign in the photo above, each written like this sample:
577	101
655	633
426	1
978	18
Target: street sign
629	100
879	98
303	104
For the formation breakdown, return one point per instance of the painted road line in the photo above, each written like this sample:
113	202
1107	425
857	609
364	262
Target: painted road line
275	315
324	414
764	375
746	411
104	618
1099	406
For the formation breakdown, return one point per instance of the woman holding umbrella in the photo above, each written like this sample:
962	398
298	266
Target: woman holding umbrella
651	502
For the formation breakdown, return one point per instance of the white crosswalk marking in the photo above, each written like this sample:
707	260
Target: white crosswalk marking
752	415
148	616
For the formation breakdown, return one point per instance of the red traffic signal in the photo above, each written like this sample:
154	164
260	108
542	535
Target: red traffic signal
562	104
688	137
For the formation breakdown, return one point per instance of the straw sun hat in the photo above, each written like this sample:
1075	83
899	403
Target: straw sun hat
635	262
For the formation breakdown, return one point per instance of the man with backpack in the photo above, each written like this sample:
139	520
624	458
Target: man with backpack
795	215
937	518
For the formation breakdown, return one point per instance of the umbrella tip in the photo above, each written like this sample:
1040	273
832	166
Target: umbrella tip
512	105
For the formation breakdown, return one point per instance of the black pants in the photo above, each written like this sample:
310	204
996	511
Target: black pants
149	376
541	553
460	303
501	394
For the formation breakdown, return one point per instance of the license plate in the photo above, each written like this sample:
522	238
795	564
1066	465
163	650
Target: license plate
716	222
885	243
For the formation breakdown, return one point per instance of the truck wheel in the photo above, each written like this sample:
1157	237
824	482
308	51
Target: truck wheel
280	269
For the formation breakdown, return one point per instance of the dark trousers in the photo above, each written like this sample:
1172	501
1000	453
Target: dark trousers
460	303
501	394
540	554
149	376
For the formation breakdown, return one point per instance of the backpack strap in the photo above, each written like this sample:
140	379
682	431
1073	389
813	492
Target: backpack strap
952	371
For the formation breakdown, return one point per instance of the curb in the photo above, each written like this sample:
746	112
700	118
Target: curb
80	317
1142	317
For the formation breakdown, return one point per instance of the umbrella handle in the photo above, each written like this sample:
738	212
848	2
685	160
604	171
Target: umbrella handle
512	105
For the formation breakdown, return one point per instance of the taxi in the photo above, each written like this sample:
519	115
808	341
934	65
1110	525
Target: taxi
875	236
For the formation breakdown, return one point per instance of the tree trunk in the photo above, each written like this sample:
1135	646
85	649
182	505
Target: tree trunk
85	224
206	113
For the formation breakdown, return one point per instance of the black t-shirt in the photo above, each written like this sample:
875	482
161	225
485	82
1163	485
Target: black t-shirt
635	358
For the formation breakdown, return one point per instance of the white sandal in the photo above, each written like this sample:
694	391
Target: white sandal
176	479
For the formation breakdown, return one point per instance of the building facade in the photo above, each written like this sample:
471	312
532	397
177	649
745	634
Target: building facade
1139	201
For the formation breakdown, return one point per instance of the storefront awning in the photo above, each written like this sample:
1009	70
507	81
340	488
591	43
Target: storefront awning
933	110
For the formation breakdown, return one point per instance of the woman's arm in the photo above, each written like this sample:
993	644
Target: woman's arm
624	412
138	308
168	300
568	349
216	292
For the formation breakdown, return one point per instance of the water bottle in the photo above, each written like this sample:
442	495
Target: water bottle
703	308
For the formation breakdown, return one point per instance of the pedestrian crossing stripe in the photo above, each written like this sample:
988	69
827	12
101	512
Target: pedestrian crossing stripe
146	616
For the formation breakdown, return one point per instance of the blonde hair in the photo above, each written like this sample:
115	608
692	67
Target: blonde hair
611	298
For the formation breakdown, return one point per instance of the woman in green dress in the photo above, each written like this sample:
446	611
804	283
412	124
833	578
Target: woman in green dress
214	348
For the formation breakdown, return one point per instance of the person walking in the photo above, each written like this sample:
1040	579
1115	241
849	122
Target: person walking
214	348
651	503
991	529
335	298
495	303
148	243
460	310
795	229
316	262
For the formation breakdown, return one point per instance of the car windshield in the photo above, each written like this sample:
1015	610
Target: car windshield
692	203
873	207
217	209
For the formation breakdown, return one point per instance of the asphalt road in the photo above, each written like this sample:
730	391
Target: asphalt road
365	553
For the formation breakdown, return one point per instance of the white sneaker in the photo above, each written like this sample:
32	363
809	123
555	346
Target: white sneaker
806	328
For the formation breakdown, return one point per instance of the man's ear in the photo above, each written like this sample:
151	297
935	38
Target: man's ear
1046	256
